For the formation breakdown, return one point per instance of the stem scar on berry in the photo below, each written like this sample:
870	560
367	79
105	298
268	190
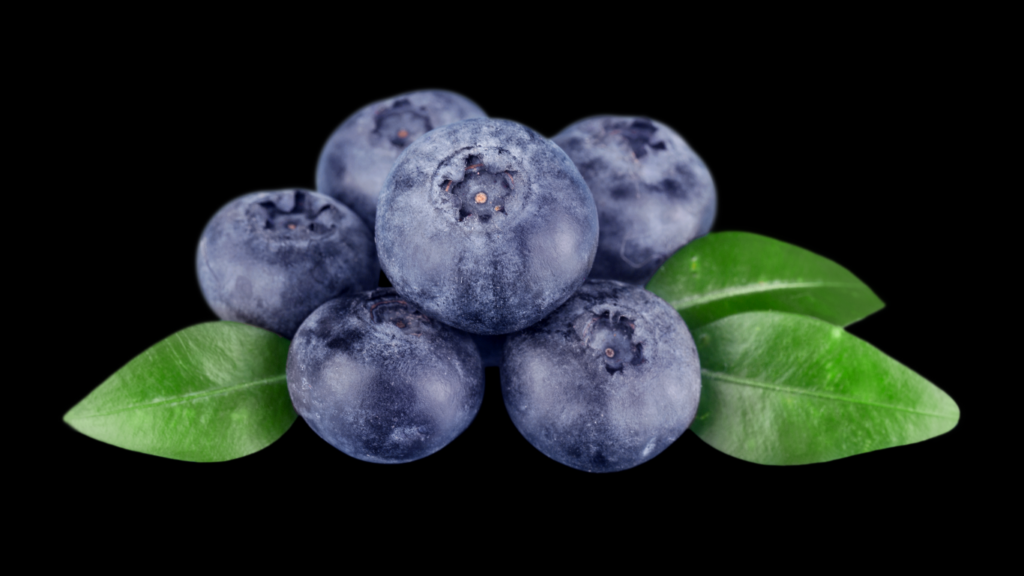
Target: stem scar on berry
400	314
480	193
613	335
403	120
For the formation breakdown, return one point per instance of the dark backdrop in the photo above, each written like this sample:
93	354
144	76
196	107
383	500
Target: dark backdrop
841	156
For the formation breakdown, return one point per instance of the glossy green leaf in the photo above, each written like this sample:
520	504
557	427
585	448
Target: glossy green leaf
781	388
209	393
730	272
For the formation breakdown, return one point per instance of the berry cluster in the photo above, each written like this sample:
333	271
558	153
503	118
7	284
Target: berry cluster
504	248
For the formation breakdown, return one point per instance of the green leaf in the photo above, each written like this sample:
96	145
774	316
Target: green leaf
781	388
208	393
731	272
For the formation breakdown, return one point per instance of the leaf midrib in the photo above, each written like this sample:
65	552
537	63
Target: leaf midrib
723	293
192	396
821	395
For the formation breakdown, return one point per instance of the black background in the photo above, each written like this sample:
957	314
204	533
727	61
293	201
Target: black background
836	151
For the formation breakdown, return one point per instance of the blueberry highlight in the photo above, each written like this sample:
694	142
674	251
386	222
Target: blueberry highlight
653	193
270	258
381	381
605	382
486	225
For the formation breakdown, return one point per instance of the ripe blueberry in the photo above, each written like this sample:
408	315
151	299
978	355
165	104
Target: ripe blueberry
382	382
486	225
653	193
604	383
358	155
270	258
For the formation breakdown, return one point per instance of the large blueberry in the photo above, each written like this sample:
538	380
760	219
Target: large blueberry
270	258
604	383
358	155
382	382
486	225
653	193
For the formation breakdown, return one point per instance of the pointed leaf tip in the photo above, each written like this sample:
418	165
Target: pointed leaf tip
211	392
782	388
731	272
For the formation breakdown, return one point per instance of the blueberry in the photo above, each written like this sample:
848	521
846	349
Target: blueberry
381	381
358	155
653	193
606	382
270	258
486	225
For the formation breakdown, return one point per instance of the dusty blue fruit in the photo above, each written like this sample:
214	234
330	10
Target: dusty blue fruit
360	152
270	258
381	381
653	193
606	382
486	225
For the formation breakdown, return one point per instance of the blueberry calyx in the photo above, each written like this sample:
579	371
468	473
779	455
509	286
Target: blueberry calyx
638	135
481	194
611	336
402	122
293	216
389	310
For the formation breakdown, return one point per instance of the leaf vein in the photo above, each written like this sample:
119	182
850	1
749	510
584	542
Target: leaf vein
821	395
184	398
731	291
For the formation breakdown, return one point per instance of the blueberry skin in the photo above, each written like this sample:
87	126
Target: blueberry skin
382	382
653	193
604	383
270	258
360	152
486	225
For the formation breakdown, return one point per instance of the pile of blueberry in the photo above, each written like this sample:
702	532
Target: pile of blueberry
504	248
